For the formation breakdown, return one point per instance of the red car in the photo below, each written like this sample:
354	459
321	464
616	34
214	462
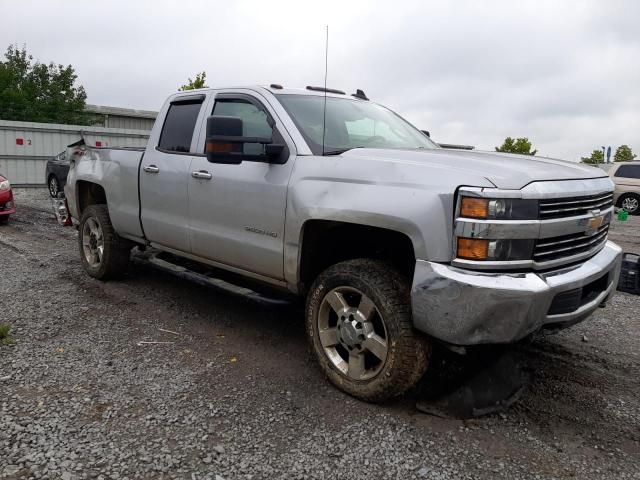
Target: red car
7	205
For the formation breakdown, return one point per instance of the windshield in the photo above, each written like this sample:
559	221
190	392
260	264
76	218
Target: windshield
350	124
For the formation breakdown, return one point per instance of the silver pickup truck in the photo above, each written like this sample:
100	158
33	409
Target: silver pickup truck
394	241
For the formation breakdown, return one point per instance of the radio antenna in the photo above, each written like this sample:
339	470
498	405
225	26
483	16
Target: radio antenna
326	67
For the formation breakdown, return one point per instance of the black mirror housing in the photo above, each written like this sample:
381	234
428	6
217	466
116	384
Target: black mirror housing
224	126
273	150
222	145
225	142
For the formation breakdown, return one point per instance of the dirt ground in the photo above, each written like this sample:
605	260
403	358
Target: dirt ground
234	393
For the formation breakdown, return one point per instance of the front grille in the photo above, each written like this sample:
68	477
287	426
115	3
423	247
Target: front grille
564	246
573	206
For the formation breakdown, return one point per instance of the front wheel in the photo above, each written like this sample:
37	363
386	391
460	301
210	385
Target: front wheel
103	253
630	202
359	323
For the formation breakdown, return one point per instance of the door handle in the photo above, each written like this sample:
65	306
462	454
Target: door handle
151	169
202	175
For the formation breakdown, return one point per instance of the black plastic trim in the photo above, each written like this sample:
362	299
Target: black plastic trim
328	90
189	99
173	152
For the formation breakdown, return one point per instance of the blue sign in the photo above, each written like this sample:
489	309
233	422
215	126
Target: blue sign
608	153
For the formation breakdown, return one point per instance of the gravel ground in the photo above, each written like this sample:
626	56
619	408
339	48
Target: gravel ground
235	393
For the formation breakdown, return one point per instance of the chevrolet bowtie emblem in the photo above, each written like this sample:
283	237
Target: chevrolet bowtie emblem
593	224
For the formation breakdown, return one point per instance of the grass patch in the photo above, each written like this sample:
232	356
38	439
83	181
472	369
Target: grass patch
5	335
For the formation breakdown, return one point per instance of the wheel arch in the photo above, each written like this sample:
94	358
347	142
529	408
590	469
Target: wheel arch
89	193
326	242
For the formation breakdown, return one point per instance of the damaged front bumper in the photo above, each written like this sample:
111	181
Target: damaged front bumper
464	307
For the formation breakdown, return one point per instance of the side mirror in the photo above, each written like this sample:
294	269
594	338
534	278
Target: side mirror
426	132
225	142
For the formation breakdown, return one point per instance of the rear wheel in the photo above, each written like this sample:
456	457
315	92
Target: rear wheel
361	331
54	186
630	202
103	253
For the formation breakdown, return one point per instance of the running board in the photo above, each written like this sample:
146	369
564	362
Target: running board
151	257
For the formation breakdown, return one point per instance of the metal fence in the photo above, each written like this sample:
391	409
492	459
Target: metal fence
25	147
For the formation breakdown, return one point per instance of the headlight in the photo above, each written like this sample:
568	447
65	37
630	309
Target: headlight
494	250
499	208
4	185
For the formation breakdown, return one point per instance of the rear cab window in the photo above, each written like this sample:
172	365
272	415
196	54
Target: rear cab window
179	125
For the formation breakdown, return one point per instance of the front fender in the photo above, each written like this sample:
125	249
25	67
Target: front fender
422	214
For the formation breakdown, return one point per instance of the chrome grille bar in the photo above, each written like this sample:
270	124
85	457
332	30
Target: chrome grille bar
567	207
549	242
551	204
569	247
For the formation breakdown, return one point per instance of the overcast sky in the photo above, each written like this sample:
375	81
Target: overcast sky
566	74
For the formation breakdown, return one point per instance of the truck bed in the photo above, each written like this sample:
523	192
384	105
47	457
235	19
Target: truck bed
116	170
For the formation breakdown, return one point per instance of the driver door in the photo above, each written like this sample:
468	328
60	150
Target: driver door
237	212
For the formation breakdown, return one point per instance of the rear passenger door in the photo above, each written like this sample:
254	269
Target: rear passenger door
164	175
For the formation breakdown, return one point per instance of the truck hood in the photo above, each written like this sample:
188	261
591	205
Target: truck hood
504	170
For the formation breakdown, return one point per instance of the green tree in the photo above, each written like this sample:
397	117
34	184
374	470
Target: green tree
519	145
624	154
198	82
596	157
34	92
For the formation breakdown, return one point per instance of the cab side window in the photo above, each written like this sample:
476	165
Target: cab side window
179	125
254	120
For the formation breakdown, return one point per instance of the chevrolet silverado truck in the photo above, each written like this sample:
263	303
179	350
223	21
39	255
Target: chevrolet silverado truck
395	242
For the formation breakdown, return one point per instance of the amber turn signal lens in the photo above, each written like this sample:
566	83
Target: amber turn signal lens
473	249
474	207
219	147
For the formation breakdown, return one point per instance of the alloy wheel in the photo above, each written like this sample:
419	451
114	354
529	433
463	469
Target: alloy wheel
630	204
352	333
53	187
92	242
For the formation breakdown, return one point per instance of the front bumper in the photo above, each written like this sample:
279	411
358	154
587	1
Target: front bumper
464	307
